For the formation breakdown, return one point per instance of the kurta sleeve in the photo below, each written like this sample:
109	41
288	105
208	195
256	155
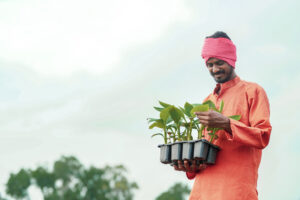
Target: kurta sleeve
258	133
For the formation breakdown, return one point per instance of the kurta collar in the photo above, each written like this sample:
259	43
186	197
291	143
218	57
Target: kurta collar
223	86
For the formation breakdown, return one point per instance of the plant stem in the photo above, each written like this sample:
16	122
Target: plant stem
178	132
190	130
165	135
213	135
200	135
197	126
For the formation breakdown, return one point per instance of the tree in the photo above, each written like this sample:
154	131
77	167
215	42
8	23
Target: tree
178	191
69	179
18	184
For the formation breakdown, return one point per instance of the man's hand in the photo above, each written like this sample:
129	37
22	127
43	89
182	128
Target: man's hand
186	167
213	119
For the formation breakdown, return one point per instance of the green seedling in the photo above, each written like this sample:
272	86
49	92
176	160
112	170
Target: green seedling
177	116
213	132
174	124
169	121
162	122
192	124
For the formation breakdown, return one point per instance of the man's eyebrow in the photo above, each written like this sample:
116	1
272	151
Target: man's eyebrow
210	62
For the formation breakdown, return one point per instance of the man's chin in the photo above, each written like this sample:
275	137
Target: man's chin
220	80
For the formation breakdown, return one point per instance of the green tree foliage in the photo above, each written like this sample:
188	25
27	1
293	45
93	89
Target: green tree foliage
18	184
69	179
178	191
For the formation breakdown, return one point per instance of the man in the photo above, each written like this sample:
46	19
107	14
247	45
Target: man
234	176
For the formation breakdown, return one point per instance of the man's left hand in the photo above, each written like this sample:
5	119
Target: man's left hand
213	119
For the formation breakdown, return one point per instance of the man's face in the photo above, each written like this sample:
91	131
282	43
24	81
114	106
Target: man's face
220	70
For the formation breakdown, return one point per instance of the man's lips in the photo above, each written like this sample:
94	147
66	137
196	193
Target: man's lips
218	74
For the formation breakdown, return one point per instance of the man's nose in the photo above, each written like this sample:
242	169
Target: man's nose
215	69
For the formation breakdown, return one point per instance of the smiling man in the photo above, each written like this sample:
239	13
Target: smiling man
234	176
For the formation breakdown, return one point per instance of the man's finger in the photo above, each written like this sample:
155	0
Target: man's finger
201	113
194	166
180	165
204	122
202	166
187	165
203	117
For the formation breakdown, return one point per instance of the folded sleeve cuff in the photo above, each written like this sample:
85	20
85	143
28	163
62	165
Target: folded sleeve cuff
230	136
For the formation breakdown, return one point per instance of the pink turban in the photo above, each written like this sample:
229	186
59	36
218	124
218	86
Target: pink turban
220	48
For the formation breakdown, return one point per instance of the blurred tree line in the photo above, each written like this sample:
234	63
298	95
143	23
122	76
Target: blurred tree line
70	180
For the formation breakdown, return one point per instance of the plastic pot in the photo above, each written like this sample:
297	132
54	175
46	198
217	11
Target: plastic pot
201	148
187	150
176	151
212	154
165	153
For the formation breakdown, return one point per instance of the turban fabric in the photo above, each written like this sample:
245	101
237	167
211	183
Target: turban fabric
220	48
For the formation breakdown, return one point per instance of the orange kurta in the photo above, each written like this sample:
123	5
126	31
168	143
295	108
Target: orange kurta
234	176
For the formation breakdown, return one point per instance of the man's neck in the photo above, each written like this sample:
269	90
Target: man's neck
219	85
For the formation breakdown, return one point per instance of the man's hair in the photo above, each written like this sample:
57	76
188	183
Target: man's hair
219	34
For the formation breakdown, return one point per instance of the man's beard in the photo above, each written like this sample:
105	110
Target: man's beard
225	79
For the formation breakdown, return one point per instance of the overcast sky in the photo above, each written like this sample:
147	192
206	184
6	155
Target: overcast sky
81	77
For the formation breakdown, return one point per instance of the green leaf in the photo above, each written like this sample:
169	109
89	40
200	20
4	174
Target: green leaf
221	106
210	104
169	120
152	120
235	117
185	124
164	114
188	107
196	104
199	108
157	134
213	129
183	110
165	105
158	124
176	114
172	126
158	108
196	121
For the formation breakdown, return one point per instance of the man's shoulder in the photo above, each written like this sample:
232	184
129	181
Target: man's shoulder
252	87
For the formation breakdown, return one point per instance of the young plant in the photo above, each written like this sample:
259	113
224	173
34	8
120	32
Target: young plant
212	106
177	116
192	123
214	130
162	122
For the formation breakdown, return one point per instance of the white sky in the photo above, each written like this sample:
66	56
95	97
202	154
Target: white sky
61	37
78	76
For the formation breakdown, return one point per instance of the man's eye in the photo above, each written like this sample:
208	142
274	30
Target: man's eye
209	64
220	63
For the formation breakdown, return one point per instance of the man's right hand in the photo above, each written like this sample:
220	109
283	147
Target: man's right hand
187	167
